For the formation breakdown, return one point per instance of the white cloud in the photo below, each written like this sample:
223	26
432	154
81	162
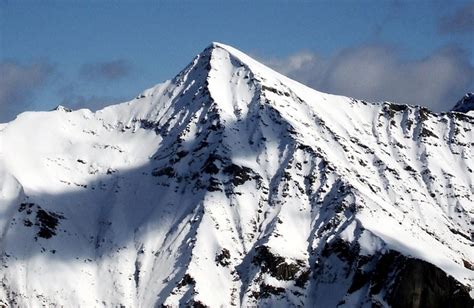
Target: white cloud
18	83
378	72
108	70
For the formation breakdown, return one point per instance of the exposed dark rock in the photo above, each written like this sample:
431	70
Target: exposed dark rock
462	117
398	108
181	154
421	284
210	165
424	114
239	174
383	272
409	124
390	109
402	281
344	250
427	133
273	90
150	125
301	280
210	168
187	280
47	223
214	185
168	171
26	206
468	264
275	265
198	304
216	126
268	290
62	108
224	257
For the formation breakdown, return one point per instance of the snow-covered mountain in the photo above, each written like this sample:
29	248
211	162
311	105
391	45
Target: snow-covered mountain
466	104
232	185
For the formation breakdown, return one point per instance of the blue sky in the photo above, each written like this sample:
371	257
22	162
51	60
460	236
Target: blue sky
94	53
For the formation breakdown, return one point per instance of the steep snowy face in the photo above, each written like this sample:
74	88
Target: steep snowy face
232	185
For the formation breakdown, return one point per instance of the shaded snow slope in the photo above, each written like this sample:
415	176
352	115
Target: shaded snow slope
233	185
466	104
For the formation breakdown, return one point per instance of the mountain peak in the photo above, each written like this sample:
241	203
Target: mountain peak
216	52
222	58
61	108
219	51
217	45
466	103
233	175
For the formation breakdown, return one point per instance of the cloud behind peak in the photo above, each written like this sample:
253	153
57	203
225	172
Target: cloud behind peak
461	21
18	84
107	70
379	73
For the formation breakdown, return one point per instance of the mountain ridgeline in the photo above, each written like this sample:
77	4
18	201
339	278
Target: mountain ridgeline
232	185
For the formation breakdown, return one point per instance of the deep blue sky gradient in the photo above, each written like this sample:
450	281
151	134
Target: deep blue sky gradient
158	38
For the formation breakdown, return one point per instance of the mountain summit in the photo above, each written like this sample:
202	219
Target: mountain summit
466	104
232	185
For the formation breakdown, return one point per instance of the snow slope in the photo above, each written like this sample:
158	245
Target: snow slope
232	185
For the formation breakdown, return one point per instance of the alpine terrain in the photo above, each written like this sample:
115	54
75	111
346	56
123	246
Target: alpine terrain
232	185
